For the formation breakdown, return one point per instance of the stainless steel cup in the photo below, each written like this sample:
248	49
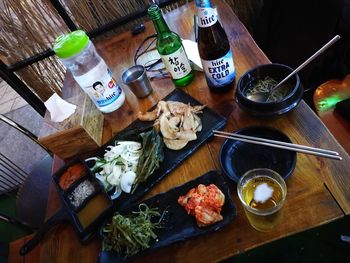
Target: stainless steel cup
137	80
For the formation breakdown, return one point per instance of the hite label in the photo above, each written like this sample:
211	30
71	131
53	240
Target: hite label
219	72
177	63
206	17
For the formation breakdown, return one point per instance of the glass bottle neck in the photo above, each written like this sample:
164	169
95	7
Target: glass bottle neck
160	25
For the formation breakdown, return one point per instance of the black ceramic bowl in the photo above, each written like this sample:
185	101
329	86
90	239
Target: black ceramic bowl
237	157
264	109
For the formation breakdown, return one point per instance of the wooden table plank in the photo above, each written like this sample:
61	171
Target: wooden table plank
240	236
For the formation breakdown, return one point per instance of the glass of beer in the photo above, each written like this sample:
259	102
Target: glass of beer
262	192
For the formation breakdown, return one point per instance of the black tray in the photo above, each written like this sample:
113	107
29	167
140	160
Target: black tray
210	121
178	225
67	213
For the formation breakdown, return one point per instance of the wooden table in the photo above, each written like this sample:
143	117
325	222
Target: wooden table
318	191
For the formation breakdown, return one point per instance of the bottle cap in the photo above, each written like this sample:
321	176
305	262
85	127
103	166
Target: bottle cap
70	44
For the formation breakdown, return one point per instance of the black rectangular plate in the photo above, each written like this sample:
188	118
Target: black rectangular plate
210	121
178	225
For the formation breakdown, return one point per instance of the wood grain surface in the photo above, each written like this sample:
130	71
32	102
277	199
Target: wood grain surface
318	190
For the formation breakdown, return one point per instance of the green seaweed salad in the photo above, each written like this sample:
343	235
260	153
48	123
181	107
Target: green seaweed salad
128	235
151	157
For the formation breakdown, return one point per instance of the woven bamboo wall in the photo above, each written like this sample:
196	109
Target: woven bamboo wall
29	27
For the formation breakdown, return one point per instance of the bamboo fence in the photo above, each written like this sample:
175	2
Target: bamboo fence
29	27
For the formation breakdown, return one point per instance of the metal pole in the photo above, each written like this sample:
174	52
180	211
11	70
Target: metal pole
21	88
31	60
62	12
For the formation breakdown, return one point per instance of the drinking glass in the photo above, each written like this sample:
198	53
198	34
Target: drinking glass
262	192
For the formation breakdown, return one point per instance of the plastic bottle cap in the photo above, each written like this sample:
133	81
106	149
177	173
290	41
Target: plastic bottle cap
70	44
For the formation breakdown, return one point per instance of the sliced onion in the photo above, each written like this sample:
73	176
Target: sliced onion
119	176
127	180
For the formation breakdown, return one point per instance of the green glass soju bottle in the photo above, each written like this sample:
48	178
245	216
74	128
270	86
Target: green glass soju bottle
170	49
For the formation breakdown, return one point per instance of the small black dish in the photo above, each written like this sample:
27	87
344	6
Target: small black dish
76	215
87	232
238	157
269	109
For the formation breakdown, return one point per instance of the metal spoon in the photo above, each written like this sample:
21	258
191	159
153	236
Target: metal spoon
264	96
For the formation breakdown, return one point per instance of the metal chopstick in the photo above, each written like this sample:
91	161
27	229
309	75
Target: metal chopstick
288	146
279	142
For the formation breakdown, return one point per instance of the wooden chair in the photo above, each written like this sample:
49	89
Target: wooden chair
325	97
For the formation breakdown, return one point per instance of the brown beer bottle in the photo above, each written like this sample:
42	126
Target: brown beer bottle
214	49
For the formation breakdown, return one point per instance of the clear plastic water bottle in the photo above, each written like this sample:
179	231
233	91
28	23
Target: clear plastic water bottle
78	54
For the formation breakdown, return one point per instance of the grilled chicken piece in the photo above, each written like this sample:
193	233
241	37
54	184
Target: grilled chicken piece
176	107
166	128
178	122
175	144
148	115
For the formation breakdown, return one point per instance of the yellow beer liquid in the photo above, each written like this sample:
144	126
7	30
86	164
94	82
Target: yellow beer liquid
257	220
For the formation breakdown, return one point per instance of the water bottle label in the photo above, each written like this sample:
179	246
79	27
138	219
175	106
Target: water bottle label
99	84
177	63
219	72
206	16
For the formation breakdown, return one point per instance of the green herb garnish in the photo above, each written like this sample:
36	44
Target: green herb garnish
151	156
128	235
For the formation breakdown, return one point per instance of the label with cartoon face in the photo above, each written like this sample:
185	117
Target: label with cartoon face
99	84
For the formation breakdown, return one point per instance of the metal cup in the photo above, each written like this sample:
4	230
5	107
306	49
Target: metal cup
137	80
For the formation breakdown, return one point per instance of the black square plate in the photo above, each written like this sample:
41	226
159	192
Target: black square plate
210	121
178	225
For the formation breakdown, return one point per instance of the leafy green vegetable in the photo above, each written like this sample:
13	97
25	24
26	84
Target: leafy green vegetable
132	134
151	156
128	235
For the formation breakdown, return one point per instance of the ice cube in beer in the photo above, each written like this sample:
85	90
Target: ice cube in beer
262	193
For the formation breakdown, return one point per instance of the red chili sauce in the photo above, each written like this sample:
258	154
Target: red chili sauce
71	175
